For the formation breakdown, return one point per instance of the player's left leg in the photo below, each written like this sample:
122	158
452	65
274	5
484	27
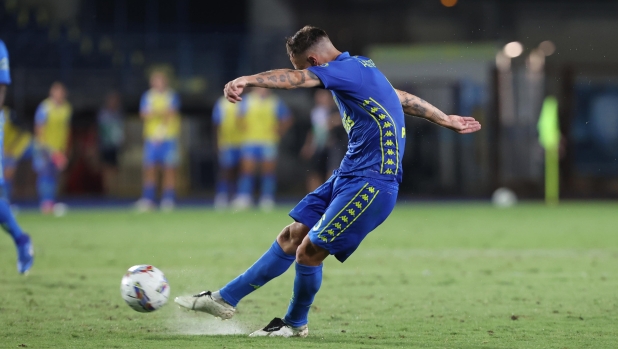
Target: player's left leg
149	176
249	158
269	184
170	162
25	252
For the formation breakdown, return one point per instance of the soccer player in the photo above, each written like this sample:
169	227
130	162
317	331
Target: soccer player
229	140
25	252
110	120
52	126
159	108
334	219
18	146
264	119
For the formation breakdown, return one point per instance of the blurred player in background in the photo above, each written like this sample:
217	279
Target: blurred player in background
18	146
110	120
335	218
229	140
25	252
52	126
264	119
315	147
159	108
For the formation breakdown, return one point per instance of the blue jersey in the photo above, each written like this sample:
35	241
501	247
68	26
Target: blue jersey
372	116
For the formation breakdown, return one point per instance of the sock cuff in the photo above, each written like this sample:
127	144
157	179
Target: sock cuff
280	253
307	269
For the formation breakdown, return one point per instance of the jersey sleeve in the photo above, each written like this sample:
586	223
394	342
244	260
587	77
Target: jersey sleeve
40	117
283	112
144	105
339	75
217	113
5	74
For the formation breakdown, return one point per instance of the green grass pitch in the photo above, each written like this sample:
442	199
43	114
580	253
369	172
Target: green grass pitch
432	276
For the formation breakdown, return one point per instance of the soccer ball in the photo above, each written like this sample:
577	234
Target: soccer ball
144	288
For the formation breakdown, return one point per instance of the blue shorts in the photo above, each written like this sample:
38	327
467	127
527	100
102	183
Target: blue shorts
344	210
259	152
161	153
229	157
10	161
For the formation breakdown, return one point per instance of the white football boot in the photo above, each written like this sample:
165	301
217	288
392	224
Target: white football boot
278	328
205	303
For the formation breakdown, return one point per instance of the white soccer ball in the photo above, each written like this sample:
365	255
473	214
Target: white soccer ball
504	197
144	288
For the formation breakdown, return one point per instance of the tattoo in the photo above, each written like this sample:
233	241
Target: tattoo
282	78
260	80
272	78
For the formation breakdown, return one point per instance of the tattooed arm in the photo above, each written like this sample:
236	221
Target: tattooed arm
280	79
415	106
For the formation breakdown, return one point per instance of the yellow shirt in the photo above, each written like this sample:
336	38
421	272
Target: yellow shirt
55	122
16	140
158	125
261	118
225	116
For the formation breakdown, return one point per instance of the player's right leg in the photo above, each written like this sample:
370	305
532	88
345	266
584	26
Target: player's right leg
46	180
229	158
273	263
249	157
25	252
146	202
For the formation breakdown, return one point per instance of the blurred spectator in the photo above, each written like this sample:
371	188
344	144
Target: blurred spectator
229	141
18	145
111	135
337	144
264	119
314	148
52	126
159	108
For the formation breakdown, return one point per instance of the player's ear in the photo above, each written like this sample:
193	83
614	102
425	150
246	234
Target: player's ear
313	60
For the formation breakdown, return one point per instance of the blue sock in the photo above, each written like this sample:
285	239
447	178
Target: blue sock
245	184
7	220
149	192
306	285
46	185
8	187
272	264
269	184
169	194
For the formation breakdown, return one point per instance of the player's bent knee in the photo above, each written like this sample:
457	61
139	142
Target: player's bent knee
292	236
310	254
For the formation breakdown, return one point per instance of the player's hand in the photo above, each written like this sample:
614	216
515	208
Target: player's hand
59	160
234	88
464	124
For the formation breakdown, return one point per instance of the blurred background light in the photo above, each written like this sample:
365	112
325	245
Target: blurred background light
547	47
513	49
448	3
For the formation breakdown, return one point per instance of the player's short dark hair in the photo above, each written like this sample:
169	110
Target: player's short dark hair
304	39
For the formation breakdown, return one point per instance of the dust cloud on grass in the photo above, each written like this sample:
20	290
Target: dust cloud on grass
193	323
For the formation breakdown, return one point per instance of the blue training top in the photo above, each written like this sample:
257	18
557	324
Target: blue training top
5	76
372	116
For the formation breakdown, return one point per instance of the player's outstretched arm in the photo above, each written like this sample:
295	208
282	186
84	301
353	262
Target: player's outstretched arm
285	79
415	106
